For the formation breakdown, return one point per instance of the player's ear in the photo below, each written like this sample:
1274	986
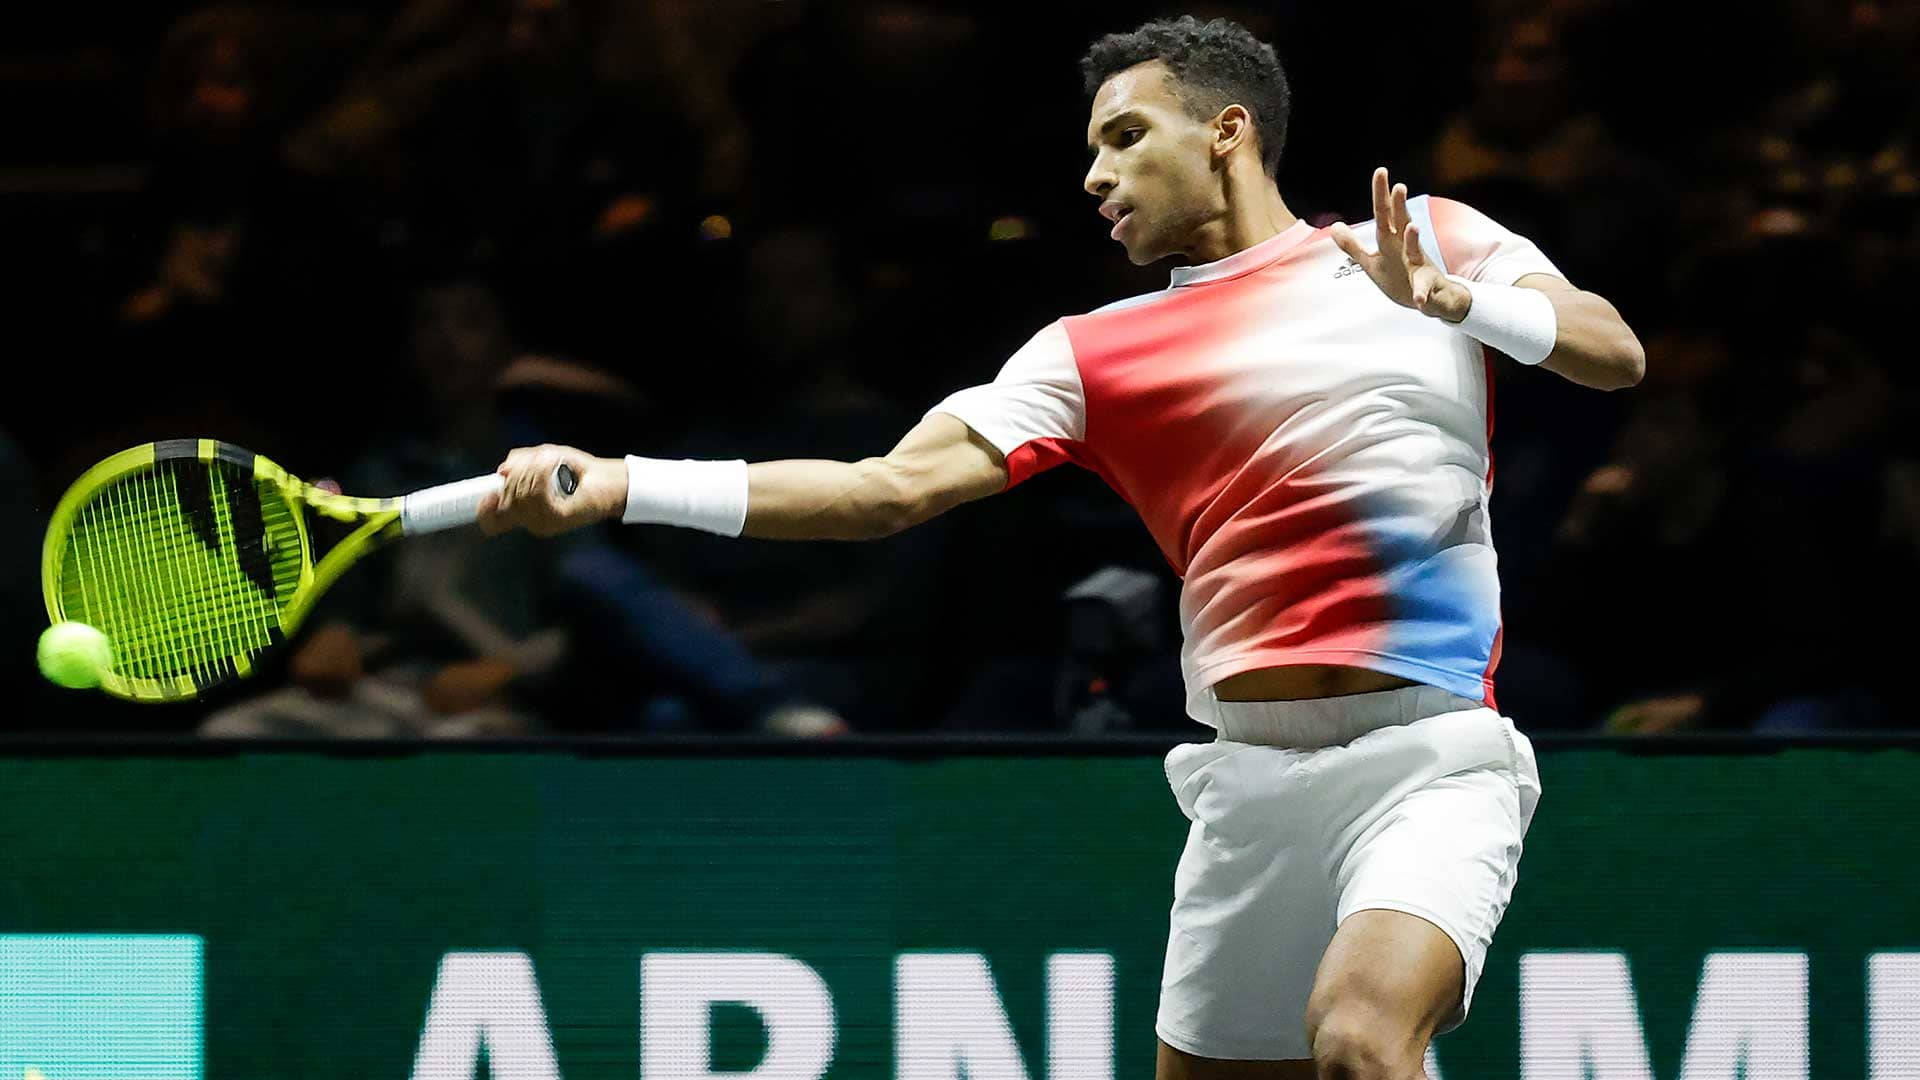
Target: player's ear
1232	128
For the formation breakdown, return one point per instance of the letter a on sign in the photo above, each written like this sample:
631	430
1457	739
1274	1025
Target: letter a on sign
485	1000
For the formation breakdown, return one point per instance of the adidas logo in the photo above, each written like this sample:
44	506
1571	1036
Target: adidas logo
1348	270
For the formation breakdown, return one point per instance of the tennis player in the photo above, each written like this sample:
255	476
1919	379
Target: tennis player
1301	419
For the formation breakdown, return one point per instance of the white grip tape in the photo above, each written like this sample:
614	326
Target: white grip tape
448	506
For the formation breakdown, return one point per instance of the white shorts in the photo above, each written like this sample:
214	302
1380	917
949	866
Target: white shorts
1424	813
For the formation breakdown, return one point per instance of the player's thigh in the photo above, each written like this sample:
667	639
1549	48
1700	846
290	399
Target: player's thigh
1388	977
1175	1064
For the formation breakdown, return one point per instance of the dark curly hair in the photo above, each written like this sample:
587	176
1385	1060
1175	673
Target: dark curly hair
1215	64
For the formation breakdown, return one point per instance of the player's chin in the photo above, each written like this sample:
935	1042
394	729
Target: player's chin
1140	252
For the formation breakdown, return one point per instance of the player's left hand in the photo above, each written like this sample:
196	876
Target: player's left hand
1401	267
531	501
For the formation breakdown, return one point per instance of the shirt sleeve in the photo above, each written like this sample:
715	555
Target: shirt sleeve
1479	248
1034	412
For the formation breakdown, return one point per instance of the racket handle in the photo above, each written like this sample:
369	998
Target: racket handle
451	506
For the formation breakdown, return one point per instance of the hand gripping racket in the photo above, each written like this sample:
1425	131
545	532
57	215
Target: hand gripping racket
192	557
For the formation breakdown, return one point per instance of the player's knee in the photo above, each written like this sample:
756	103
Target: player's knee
1356	1041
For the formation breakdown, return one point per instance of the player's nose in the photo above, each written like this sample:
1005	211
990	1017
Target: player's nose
1099	180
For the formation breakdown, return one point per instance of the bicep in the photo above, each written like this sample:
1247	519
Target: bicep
942	463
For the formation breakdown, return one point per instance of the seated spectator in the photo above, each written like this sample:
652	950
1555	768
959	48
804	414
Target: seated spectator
1522	121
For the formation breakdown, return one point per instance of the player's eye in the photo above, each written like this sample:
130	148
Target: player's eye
1131	135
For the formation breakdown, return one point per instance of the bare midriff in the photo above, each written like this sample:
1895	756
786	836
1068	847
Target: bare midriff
1299	682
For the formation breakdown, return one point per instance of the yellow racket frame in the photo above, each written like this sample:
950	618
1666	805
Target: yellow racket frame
378	520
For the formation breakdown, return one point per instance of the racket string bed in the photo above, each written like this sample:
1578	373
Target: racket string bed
108	531
200	610
114	528
141	487
175	581
249	613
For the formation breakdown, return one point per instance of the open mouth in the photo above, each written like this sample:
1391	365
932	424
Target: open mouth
1120	221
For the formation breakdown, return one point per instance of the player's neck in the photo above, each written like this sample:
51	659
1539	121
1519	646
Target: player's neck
1255	212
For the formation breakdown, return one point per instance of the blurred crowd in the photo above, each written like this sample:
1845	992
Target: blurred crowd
384	243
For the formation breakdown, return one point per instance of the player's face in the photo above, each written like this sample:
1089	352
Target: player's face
1153	166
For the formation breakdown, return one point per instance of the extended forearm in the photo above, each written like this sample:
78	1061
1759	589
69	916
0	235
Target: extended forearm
826	500
939	465
773	500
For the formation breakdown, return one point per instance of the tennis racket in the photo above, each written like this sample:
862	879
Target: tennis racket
192	556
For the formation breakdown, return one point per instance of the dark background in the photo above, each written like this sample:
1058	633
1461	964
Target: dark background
383	243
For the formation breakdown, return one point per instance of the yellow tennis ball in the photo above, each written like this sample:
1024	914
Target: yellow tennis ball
74	654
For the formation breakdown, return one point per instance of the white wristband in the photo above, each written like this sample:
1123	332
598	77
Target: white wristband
1519	322
706	495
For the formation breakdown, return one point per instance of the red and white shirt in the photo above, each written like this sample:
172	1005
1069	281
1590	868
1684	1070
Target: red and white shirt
1310	457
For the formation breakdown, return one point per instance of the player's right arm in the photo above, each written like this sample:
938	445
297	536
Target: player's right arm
940	464
978	441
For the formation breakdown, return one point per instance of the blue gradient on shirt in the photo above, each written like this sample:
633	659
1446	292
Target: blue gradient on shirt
1443	593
